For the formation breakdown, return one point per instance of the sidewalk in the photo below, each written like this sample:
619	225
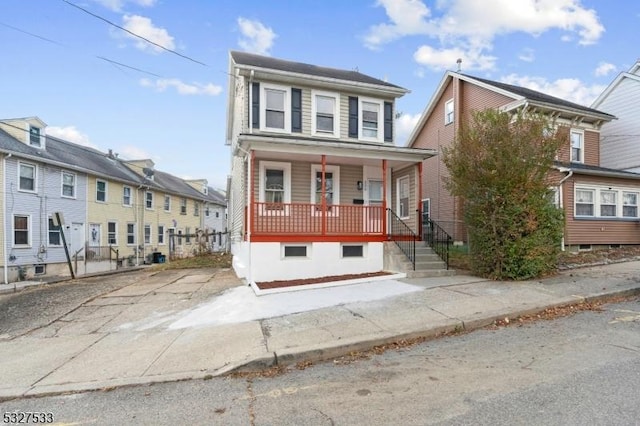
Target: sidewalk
175	327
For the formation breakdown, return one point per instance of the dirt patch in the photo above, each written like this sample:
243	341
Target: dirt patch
570	260
265	285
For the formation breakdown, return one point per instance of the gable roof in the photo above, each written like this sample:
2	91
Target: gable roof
69	155
539	97
267	62
632	74
88	160
521	97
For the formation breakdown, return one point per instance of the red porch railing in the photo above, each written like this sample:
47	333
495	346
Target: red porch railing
309	219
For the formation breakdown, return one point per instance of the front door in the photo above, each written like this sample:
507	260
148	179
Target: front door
77	239
373	198
95	235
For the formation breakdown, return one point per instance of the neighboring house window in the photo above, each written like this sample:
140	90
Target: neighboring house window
126	195
325	112
68	184
167	203
331	186
27	177
630	204
187	235
160	234
577	146
54	234
101	191
112	233
608	203
34	136
275	111
585	199
275	184
148	199
196	208
403	197
207	211
448	112
147	234
217	215
183	206
21	227
131	233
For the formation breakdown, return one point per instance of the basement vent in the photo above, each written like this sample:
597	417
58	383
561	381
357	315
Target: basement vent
584	247
40	269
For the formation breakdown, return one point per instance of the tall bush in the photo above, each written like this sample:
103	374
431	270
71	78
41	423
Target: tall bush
499	165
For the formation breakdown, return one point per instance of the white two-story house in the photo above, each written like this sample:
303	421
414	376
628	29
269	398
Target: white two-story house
316	178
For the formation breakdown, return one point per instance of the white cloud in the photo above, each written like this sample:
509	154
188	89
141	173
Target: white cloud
471	26
604	68
570	89
408	17
129	152
71	134
527	55
118	5
404	126
255	36
144	28
182	88
438	59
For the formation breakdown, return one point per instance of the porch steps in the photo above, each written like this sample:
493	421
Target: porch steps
428	263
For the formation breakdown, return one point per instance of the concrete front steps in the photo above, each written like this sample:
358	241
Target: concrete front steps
428	263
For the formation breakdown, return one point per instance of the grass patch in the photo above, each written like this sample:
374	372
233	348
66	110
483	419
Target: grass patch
208	260
459	258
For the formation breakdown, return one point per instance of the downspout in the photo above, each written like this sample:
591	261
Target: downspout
250	123
4	217
561	195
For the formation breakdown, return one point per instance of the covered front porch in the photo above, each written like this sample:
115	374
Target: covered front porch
315	207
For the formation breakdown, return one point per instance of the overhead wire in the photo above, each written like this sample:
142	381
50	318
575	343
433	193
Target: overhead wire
134	34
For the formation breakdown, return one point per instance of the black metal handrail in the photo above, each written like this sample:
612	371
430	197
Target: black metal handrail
403	236
437	238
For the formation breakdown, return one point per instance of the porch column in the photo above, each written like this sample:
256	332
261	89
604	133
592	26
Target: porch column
323	199
384	196
419	201
251	198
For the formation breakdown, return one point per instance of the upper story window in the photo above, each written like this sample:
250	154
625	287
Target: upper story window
275	108
101	191
34	136
68	184
448	112
370	119
126	195
577	146
27	177
148	200
167	203
196	208
326	114
183	206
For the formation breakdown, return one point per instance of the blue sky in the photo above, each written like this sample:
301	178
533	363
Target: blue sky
98	85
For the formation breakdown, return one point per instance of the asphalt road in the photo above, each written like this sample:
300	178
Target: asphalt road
578	370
